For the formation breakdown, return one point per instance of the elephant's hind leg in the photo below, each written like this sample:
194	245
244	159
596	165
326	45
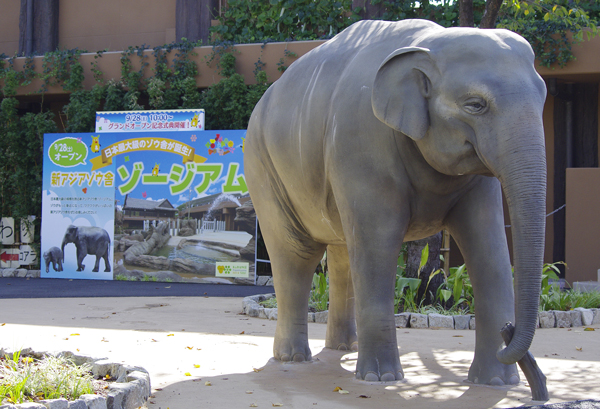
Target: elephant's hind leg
292	278
341	320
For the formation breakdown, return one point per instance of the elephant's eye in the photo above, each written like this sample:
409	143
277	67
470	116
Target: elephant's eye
475	106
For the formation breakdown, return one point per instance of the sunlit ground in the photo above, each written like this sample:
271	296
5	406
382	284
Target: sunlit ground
186	342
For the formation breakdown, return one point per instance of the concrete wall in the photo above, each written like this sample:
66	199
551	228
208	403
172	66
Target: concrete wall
9	26
115	24
583	224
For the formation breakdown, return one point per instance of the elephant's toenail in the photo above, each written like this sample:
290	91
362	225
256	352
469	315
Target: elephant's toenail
299	358
514	379
399	375
388	377
342	347
285	358
371	377
496	381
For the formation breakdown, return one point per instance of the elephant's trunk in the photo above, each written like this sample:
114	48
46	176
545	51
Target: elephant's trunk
522	173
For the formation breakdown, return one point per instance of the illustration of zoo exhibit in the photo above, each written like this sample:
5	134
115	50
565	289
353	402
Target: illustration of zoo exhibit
165	205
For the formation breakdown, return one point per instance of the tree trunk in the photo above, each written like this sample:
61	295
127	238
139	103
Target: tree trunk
193	19
490	15
368	10
465	11
413	260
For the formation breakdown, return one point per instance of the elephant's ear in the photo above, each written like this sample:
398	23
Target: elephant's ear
401	89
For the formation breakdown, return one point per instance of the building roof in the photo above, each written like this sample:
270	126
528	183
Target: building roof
142	204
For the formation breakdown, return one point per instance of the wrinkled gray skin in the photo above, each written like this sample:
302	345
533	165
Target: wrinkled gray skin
55	256
391	132
88	240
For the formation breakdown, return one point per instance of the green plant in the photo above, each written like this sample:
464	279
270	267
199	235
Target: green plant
26	379
406	289
269	303
149	278
319	295
457	289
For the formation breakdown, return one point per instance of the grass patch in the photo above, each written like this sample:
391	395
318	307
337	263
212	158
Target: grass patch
25	379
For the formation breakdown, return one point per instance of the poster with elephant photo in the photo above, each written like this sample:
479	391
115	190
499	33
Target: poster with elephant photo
77	209
180	207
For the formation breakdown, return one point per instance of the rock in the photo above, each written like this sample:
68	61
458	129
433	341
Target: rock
245	217
21	273
94	401
8	272
186	232
9	406
439	321
33	273
249	252
159	237
273	314
472	322
77	404
321	317
262	280
547	319
563	319
30	405
253	310
576	320
133	237
132	394
402	319
264	312
587	316
56	403
311	317
418	320
462	321
596	319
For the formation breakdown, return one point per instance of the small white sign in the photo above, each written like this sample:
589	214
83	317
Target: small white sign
7	230
27	255
9	258
27	229
232	270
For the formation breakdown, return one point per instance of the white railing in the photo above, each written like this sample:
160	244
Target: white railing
212	225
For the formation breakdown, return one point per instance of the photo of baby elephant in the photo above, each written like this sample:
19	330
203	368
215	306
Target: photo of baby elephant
55	256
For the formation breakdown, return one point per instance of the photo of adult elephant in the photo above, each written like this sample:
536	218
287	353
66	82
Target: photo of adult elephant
88	240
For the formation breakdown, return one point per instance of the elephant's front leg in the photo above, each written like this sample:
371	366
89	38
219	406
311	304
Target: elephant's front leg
81	253
373	253
477	225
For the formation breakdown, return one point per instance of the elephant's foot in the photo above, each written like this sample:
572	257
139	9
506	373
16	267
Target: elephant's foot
95	270
107	270
379	365
493	373
342	340
81	268
287	350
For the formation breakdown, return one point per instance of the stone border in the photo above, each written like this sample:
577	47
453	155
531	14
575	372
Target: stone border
19	272
546	319
131	389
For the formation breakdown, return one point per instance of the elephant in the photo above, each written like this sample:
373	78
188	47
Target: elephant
88	240
391	132
55	256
